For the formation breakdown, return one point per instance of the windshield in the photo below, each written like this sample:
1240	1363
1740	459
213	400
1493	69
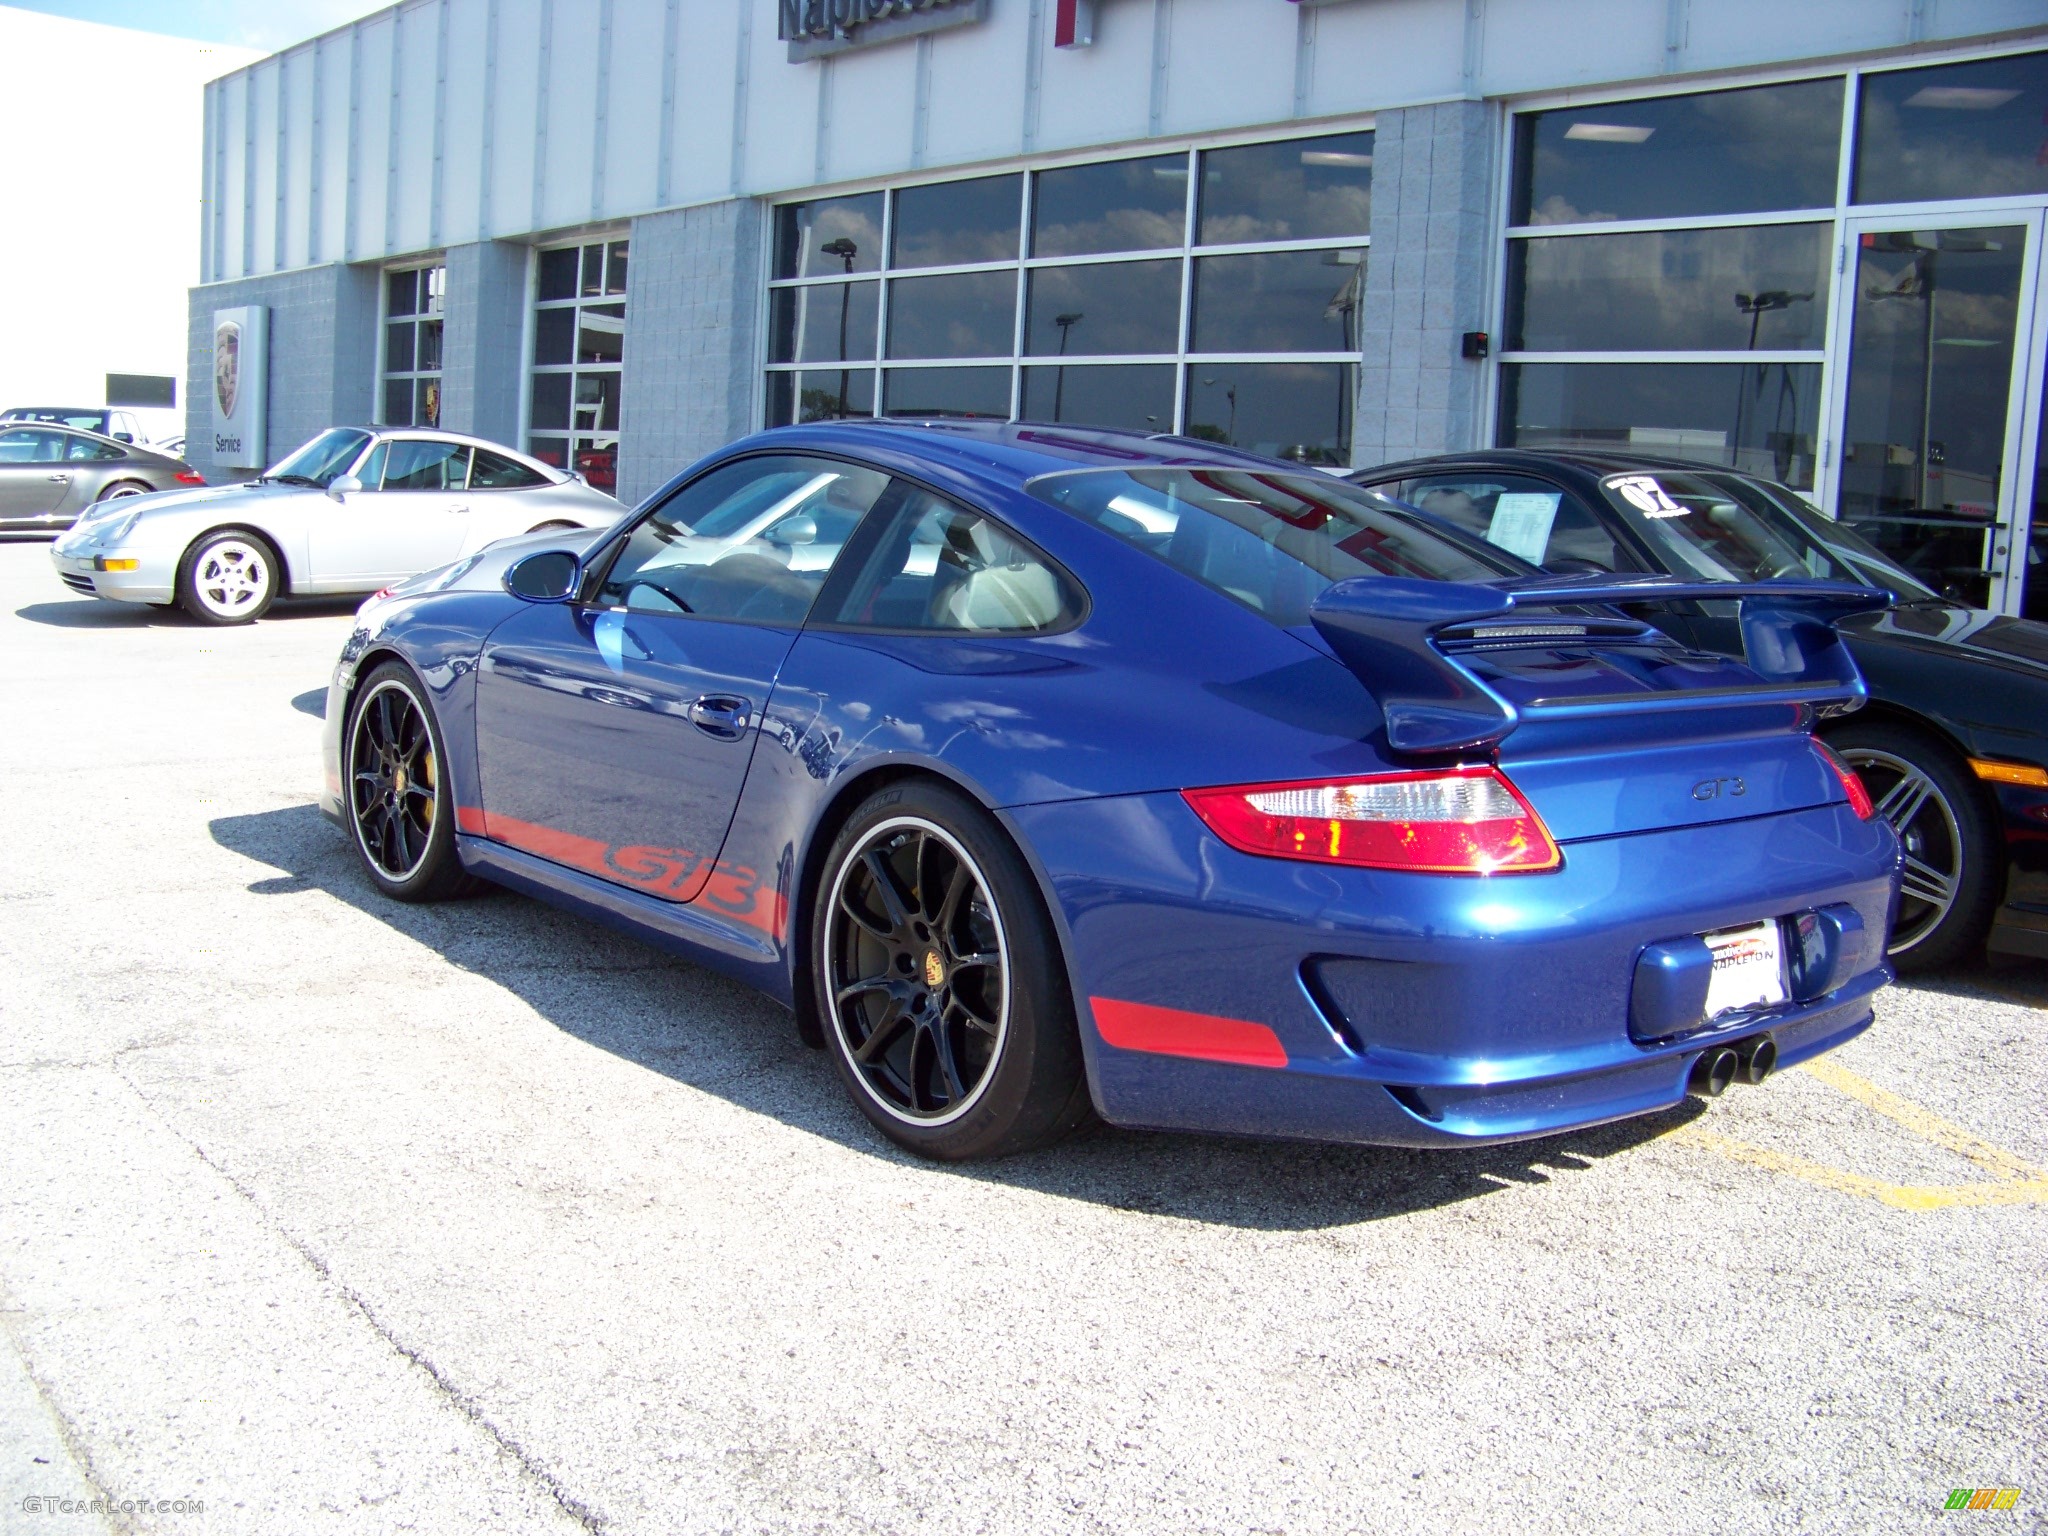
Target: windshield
326	457
88	421
1273	542
1722	530
1874	566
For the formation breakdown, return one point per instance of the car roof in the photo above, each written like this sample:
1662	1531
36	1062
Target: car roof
1590	461
1012	452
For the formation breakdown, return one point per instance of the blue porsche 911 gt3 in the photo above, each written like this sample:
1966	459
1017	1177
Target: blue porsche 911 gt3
1049	774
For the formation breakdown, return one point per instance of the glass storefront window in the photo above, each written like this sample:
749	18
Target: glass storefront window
411	393
833	235
1123	205
1135	396
1749	287
1298	411
1285	301
1107	309
1715	152
955	223
1763	418
1298	189
1108	333
579	340
1956	130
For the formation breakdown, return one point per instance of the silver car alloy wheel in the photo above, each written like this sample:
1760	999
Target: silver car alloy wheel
125	489
916	971
1928	830
231	578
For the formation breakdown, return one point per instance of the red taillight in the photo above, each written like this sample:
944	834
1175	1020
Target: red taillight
1459	821
1852	782
190	477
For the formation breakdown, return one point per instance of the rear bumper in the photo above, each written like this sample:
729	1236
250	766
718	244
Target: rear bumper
1287	999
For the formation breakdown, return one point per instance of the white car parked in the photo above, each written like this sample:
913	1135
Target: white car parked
355	510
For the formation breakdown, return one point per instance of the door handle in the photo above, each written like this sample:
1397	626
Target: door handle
720	715
460	506
61	479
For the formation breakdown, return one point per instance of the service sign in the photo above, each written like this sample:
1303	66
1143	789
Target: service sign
241	385
815	28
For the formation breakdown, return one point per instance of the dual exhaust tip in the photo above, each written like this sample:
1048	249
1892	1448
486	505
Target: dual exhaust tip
1750	1061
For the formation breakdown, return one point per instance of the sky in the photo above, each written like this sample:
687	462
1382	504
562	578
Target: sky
265	24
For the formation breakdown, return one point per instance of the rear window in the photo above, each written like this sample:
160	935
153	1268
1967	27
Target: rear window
1273	542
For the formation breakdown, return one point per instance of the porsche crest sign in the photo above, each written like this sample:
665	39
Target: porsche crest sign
241	385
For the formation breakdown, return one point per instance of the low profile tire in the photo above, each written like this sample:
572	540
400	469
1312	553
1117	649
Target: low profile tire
120	490
228	577
941	991
1953	873
401	811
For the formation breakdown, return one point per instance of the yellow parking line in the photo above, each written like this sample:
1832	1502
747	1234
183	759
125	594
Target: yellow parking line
2017	1182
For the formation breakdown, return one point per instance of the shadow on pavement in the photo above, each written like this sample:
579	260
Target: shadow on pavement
312	702
97	613
629	999
1996	978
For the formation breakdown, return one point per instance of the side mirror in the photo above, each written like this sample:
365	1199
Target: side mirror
342	486
124	437
800	529
546	576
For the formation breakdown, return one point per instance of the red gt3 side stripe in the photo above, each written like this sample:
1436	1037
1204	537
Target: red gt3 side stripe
1172	1032
469	821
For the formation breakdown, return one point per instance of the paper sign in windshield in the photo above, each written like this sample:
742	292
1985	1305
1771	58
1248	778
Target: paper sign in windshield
1648	497
1521	523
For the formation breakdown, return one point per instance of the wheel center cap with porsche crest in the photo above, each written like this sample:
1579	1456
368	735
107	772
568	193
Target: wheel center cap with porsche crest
934	968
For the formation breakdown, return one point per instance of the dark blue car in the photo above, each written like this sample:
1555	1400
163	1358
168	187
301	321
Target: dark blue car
1049	774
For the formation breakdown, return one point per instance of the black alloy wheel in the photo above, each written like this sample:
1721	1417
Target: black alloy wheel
396	777
1950	888
939	981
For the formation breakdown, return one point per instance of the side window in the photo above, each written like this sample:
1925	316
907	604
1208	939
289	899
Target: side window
84	448
752	540
373	467
1522	515
30	447
419	465
941	567
494	472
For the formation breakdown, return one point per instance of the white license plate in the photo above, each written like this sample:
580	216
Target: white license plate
1749	968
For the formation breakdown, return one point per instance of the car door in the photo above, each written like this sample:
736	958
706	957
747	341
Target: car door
34	479
614	732
411	515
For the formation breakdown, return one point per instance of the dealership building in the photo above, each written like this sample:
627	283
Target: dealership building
1801	239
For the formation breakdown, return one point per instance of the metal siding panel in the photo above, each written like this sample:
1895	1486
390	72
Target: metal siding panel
373	138
874	97
1230	64
515	85
700	154
332	186
977	89
464	140
263	161
1094	95
418	67
572	114
1525	48
297	202
1367	57
782	113
633	109
233	120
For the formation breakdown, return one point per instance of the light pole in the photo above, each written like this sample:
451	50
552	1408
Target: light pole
1059	379
1229	394
1756	306
845	250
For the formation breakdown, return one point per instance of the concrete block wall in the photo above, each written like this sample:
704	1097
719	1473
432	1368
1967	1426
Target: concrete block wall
693	302
483	373
1427	282
323	357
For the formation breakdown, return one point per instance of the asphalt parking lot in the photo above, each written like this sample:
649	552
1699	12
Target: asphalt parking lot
329	1214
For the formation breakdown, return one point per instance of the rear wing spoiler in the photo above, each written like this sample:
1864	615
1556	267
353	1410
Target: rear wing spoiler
1391	632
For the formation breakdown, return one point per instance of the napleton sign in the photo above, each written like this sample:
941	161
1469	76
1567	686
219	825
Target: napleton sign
814	28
